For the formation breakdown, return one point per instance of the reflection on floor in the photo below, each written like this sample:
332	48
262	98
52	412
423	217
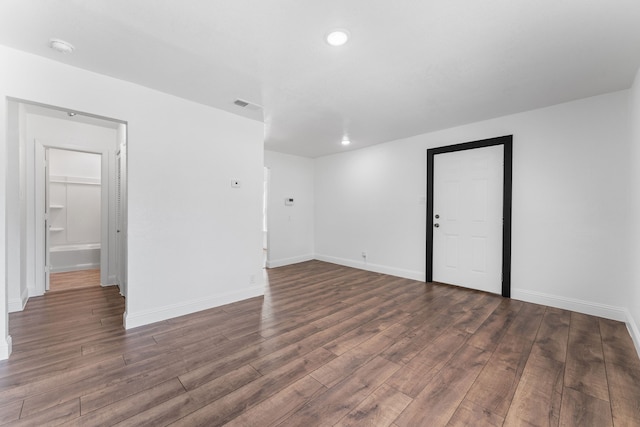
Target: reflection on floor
74	280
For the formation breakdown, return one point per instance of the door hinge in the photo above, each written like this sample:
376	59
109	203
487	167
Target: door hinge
47	268
46	216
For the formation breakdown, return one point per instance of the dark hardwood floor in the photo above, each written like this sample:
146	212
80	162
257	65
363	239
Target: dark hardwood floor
327	345
74	280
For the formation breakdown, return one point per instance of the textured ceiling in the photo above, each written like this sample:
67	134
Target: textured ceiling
412	66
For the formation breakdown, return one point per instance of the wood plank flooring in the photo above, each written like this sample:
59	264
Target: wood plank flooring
74	280
327	345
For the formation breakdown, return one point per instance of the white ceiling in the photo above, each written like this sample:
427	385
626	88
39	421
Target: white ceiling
412	66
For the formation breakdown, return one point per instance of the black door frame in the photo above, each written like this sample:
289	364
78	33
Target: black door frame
507	142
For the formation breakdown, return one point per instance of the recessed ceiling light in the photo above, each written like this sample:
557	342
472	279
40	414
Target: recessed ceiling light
346	141
61	46
71	114
337	37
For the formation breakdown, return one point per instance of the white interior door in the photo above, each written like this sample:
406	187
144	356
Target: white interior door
467	209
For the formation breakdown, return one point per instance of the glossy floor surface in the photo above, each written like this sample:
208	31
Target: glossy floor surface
327	345
74	280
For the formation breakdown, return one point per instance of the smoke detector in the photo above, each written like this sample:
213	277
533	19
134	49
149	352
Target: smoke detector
61	46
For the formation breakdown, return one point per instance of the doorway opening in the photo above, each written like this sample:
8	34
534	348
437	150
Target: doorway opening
63	221
73	219
506	142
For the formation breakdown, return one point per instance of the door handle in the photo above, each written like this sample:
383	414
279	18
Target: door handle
436	225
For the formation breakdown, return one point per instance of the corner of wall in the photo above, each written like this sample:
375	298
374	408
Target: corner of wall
633	299
288	261
634	331
5	348
145	317
18	304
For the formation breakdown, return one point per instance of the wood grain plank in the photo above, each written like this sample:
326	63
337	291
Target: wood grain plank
221	386
624	387
330	406
539	394
617	345
361	334
488	335
162	415
527	323
471	414
53	416
381	408
553	335
10	412
130	406
18	389
412	378
623	372
437	403
496	385
91	384
477	313
125	386
235	403
74	280
585	370
580	409
333	372
280	405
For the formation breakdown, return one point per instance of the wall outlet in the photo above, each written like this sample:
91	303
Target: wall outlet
364	254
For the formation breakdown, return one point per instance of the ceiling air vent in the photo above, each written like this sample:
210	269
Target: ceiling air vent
246	104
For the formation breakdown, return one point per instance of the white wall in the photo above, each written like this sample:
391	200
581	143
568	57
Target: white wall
633	299
75	163
75	191
570	203
290	227
194	242
15	265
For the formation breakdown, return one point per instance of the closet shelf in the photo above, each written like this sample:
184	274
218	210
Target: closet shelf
56	229
56	207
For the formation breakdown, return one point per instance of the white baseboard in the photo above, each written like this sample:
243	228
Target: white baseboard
106	285
634	331
580	306
75	267
133	320
5	348
376	268
289	261
18	304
